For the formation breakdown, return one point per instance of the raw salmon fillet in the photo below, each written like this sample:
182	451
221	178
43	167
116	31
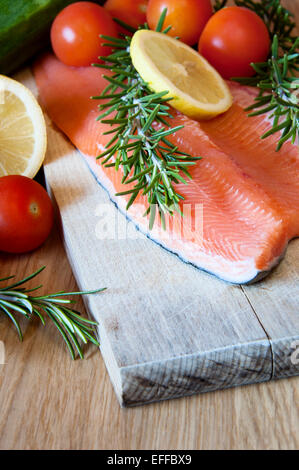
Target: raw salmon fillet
242	205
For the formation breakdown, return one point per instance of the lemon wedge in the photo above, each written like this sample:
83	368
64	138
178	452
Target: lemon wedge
167	64
23	136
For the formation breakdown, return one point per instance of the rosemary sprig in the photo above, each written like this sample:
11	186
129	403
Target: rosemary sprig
72	326
277	93
275	78
148	160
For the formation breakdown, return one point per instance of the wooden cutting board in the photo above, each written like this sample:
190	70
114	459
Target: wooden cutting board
167	329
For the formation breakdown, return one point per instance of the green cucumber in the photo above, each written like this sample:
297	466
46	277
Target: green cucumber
24	29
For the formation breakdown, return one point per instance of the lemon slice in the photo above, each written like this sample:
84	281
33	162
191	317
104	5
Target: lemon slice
165	63
23	137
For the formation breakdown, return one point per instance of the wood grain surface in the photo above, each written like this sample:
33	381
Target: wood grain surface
49	402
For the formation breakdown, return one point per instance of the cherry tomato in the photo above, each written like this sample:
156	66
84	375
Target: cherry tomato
75	33
187	17
132	12
26	214
232	39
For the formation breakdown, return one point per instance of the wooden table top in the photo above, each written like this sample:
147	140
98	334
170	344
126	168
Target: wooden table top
48	401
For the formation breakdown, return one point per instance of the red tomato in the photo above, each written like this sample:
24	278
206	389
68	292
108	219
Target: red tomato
26	214
75	33
132	12
232	39
187	17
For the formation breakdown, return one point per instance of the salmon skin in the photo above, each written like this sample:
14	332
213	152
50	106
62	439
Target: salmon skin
241	206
